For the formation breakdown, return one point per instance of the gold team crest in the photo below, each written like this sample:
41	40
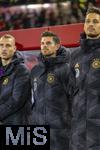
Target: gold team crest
77	65
5	82
50	78
96	63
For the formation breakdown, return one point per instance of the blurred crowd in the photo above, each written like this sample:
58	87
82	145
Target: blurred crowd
44	14
20	2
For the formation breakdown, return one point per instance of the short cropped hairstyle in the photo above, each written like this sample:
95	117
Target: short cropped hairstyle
93	10
7	36
51	34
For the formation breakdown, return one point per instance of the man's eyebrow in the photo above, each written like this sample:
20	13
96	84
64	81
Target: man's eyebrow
8	44
49	42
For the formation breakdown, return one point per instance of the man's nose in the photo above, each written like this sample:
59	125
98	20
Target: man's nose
4	48
45	45
91	23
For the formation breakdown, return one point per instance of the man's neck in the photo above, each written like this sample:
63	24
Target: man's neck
6	61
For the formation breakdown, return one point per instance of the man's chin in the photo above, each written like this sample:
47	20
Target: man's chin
5	58
92	35
48	55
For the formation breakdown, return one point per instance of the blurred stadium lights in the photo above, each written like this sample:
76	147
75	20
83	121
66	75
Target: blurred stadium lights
36	6
21	2
33	6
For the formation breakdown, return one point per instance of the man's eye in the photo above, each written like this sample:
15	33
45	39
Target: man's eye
95	21
1	45
8	45
87	21
49	43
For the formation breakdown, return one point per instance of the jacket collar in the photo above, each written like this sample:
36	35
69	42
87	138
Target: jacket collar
61	57
89	45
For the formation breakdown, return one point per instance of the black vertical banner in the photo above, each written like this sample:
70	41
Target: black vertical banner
1	137
31	137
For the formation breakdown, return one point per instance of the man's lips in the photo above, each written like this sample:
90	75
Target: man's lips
91	29
4	54
45	50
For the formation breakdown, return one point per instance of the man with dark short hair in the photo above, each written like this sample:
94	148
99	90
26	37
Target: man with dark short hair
85	134
52	90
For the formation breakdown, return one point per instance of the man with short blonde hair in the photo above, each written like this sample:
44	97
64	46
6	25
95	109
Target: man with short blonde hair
14	84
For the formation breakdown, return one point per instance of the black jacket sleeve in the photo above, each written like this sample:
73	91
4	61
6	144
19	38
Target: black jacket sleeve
67	78
20	94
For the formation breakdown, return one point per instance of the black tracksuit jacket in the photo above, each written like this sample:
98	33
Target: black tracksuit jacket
85	133
51	89
15	92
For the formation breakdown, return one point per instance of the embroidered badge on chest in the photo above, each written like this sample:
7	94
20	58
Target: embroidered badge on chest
5	81
50	78
77	70
96	63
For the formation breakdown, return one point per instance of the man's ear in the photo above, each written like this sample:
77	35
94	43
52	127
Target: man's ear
14	48
58	46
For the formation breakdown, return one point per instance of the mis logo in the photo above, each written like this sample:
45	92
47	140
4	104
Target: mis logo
25	137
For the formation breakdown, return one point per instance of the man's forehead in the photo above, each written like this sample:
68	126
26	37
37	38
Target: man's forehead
93	16
48	38
6	40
